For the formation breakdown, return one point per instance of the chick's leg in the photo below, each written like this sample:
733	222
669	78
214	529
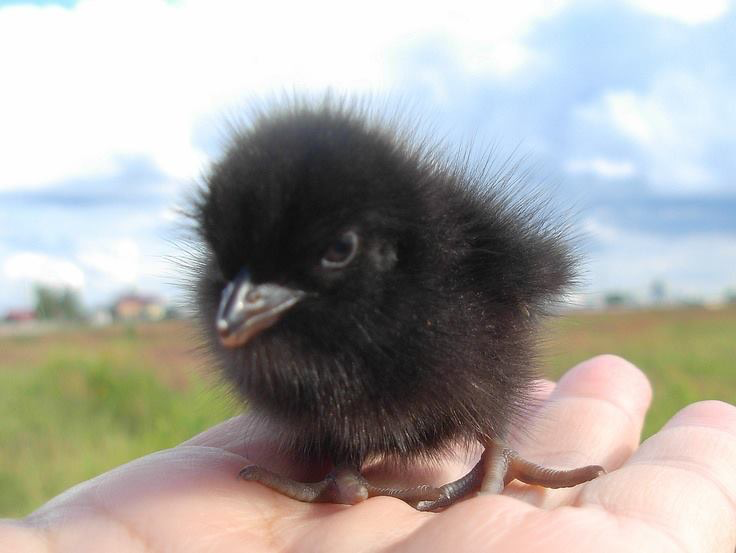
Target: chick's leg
498	466
343	485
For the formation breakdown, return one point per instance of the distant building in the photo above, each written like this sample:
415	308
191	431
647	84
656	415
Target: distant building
20	316
133	307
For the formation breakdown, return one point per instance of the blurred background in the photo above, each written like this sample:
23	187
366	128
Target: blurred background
110	111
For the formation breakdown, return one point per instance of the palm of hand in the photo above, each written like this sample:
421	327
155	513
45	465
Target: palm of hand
676	492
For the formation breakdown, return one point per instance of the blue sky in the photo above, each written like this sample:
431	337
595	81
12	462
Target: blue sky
110	111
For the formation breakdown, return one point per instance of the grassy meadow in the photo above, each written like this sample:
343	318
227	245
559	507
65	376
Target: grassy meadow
77	402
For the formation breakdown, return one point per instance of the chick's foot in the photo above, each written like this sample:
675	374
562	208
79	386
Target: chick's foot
343	485
498	466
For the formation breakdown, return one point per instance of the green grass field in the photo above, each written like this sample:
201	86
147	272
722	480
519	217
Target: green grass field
78	402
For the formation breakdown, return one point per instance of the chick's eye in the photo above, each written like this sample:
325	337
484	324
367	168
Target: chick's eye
341	252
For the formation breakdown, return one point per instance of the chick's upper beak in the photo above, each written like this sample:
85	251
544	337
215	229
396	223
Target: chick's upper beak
247	309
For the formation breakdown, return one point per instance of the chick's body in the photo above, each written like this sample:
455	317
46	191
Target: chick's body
424	337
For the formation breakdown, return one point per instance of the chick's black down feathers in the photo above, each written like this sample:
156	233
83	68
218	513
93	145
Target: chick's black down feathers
426	337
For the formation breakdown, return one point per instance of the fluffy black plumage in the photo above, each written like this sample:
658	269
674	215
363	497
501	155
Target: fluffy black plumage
425	337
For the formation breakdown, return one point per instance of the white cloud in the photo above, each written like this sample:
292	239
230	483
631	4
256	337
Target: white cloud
36	268
601	167
488	36
100	269
684	11
673	127
600	231
104	80
113	265
118	261
636	117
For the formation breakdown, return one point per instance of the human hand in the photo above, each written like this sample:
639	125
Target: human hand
676	492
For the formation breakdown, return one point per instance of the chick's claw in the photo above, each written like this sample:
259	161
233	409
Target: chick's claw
498	466
343	485
454	491
418	494
312	492
504	464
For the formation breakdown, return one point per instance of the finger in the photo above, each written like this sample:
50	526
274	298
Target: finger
256	441
246	435
17	536
227	435
594	416
542	390
681	481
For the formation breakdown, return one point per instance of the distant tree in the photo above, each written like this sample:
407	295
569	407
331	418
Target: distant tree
658	291
52	303
617	299
173	312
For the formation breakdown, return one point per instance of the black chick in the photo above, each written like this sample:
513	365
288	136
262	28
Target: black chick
373	300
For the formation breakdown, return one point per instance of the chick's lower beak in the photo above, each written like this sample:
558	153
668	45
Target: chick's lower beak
247	309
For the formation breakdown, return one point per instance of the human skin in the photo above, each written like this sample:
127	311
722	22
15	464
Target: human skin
675	492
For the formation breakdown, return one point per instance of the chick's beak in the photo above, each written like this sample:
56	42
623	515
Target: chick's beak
247	309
